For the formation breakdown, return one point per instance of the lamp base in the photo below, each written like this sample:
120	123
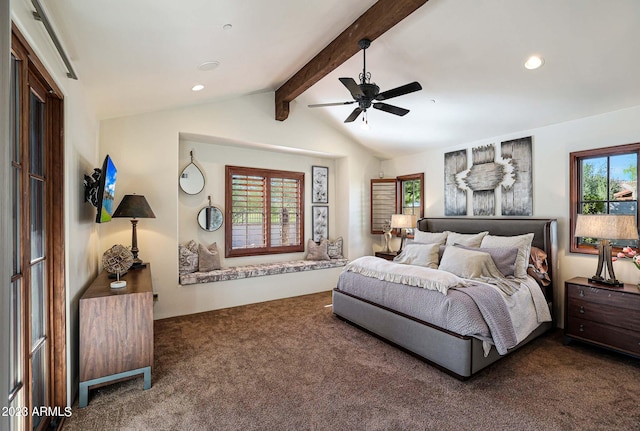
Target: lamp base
609	282
138	265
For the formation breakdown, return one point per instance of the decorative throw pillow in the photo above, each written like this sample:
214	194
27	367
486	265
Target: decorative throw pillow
521	242
188	257
503	257
419	254
209	258
468	263
334	248
317	251
429	237
538	266
468	239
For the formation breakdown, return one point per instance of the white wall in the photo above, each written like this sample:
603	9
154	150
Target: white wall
145	149
81	156
211	158
551	148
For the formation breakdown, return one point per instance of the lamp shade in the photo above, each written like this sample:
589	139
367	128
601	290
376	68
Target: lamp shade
134	206
401	221
606	226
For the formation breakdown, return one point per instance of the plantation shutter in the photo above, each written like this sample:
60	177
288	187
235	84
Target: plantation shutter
285	212
248	209
265	208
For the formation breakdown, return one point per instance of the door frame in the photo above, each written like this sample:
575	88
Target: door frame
55	216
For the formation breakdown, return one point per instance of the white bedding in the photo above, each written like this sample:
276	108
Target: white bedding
526	306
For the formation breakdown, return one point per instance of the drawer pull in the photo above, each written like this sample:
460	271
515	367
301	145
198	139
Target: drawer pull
581	292
581	328
581	310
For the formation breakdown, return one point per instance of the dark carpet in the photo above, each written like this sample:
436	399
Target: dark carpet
292	365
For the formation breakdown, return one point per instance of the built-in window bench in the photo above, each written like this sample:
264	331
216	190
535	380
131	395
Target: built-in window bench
259	270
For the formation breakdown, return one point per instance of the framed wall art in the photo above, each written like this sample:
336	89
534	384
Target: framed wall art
320	220
319	185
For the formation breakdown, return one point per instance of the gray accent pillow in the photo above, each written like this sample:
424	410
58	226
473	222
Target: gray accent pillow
468	239
209	258
503	257
521	242
334	248
468	263
429	237
317	251
419	254
188	257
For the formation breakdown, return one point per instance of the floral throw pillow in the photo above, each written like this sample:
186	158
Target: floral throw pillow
188	257
334	248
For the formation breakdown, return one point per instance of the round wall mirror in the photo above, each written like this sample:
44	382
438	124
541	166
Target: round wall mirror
210	218
191	179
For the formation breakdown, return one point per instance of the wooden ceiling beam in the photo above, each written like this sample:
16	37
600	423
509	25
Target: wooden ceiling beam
379	18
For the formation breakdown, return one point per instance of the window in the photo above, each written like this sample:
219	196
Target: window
264	211
411	194
603	181
393	196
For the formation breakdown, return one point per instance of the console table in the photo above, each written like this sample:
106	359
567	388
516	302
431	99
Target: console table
116	331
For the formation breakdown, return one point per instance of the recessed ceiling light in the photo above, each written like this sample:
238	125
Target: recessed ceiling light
227	27
533	62
197	87
209	65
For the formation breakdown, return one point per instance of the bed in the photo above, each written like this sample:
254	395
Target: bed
462	346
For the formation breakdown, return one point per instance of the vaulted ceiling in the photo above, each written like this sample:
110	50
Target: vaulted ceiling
144	55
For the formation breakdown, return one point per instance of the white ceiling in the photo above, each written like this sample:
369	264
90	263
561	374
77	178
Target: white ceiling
142	55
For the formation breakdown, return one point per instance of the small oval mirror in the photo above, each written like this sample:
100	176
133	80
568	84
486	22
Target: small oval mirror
210	218
191	178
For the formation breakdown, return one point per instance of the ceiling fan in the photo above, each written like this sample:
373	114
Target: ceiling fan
367	94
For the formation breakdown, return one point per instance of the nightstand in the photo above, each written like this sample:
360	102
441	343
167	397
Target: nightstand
388	255
602	315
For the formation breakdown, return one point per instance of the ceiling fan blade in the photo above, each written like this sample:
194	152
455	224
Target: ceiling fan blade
353	87
391	109
317	105
399	91
353	115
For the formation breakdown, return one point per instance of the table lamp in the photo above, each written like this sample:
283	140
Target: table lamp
403	221
134	206
606	227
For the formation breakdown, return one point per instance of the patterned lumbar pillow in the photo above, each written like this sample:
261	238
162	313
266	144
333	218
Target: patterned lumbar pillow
188	257
334	248
209	258
317	251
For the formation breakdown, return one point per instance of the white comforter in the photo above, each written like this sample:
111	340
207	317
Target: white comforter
526	306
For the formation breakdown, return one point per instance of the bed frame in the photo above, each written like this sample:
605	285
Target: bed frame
461	356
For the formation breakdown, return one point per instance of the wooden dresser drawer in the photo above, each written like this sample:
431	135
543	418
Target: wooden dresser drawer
609	336
606	314
620	299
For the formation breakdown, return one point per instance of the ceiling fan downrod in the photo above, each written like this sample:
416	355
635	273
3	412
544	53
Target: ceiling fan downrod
363	44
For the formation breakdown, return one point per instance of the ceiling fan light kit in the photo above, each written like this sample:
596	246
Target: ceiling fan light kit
367	94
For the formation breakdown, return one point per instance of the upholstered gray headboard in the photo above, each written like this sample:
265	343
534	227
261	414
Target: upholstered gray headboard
545	233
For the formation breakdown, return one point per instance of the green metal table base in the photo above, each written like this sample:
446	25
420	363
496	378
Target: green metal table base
84	386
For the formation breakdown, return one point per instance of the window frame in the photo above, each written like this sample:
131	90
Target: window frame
398	198
575	176
268	174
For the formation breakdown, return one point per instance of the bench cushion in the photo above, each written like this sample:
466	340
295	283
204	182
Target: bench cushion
259	270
